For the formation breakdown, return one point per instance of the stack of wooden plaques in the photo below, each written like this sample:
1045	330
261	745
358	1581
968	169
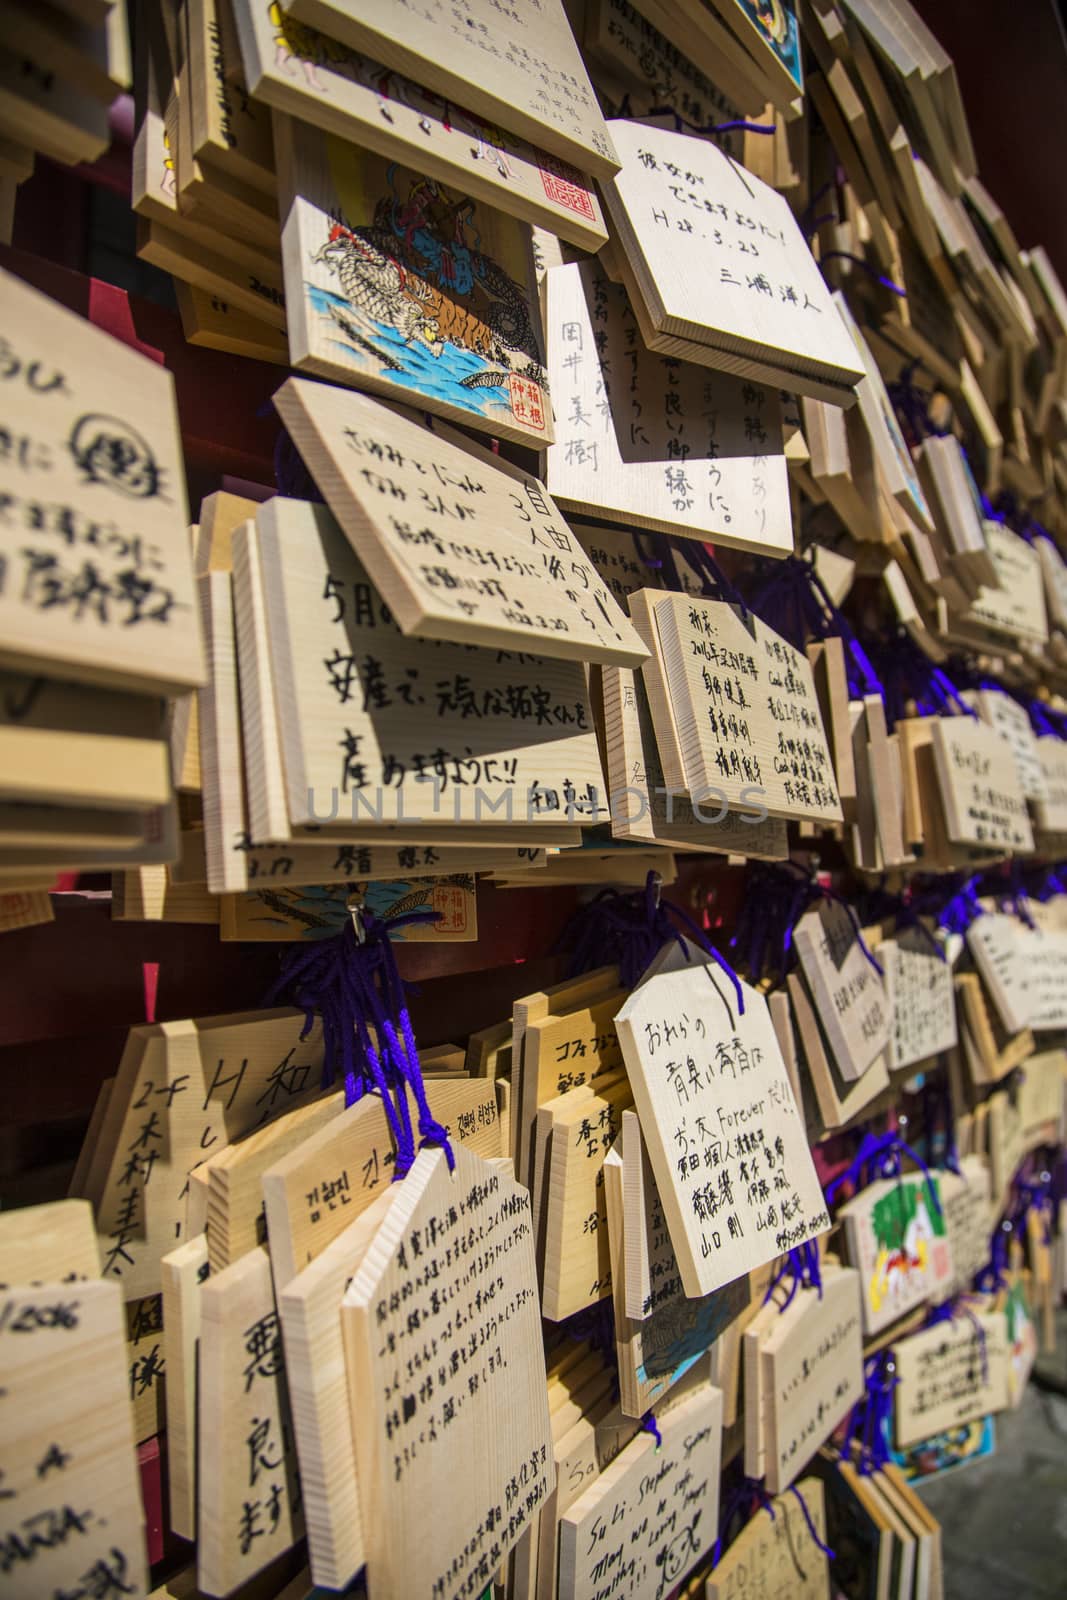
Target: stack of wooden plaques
100	621
717	269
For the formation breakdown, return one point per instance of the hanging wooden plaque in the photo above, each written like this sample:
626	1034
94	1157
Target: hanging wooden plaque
328	85
522	71
99	582
408	289
615	1535
967	1197
462	549
249	1498
489	1411
1016	609
719	270
312	1193
919	997
898	1241
310	1309
643	808
746	711
72	1518
1050	811
983	799
777	1553
182	1088
48	1243
1012	722
184	1271
949	1375
848	992
646	440
366	714
574	1240
725	1139
659	1346
814	1377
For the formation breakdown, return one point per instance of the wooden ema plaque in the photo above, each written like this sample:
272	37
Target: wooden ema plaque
898	1242
656	1348
520	70
1050	812
642	806
365	713
644	439
482	1403
313	1192
746	711
848	993
950	1374
48	1243
574	1239
346	94
310	1307
376	296
919	997
249	1500
182	1088
1016	608
812	1376
99	582
984	802
724	1136
1012	722
646	1520
967	1197
719	270
72	1520
184	1272
890	449
461	548
777	1556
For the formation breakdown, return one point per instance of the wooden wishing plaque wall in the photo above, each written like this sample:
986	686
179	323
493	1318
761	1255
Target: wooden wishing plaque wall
462	549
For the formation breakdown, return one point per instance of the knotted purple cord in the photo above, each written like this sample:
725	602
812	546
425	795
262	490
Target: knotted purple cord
802	1264
872	1415
778	897
751	1493
880	1156
797	604
650	1425
290	472
872	272
681	122
356	989
629	931
961	909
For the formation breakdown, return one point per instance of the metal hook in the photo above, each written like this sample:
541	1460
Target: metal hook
354	907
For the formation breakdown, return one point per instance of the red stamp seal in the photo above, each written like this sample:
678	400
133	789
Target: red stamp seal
450	900
564	186
527	401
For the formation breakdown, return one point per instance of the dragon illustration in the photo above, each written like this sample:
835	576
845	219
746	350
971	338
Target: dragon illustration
413	270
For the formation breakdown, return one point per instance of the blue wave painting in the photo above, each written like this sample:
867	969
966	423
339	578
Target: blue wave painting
440	377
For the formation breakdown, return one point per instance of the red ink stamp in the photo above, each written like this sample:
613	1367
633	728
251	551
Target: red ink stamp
563	185
450	900
527	401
